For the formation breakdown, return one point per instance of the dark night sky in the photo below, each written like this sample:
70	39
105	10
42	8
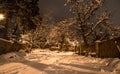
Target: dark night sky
57	8
59	11
113	6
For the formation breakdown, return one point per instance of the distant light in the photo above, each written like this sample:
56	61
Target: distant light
2	17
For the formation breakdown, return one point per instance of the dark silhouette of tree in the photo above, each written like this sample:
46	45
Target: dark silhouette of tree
21	14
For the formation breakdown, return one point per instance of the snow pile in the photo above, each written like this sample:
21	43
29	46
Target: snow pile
12	57
111	65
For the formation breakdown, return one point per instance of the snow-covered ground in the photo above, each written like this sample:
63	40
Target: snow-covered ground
55	62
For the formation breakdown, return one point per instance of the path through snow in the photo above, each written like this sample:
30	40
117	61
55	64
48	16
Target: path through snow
55	62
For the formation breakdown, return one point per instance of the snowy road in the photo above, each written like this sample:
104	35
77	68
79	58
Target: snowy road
55	62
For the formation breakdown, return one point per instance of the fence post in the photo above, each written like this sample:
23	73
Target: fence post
75	48
80	49
97	47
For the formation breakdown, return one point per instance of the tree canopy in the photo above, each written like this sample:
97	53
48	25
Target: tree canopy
19	14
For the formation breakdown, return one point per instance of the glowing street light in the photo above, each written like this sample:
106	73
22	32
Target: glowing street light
2	17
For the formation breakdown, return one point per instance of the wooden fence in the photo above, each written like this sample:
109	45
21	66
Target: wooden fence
102	49
108	48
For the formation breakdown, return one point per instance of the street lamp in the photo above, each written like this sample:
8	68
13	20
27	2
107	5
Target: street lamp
2	17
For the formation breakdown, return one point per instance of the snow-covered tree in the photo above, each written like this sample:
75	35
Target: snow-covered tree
91	22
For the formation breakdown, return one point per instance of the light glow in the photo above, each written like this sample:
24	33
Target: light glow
2	17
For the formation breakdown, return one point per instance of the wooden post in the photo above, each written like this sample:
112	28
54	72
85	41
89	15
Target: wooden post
80	49
75	48
97	47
